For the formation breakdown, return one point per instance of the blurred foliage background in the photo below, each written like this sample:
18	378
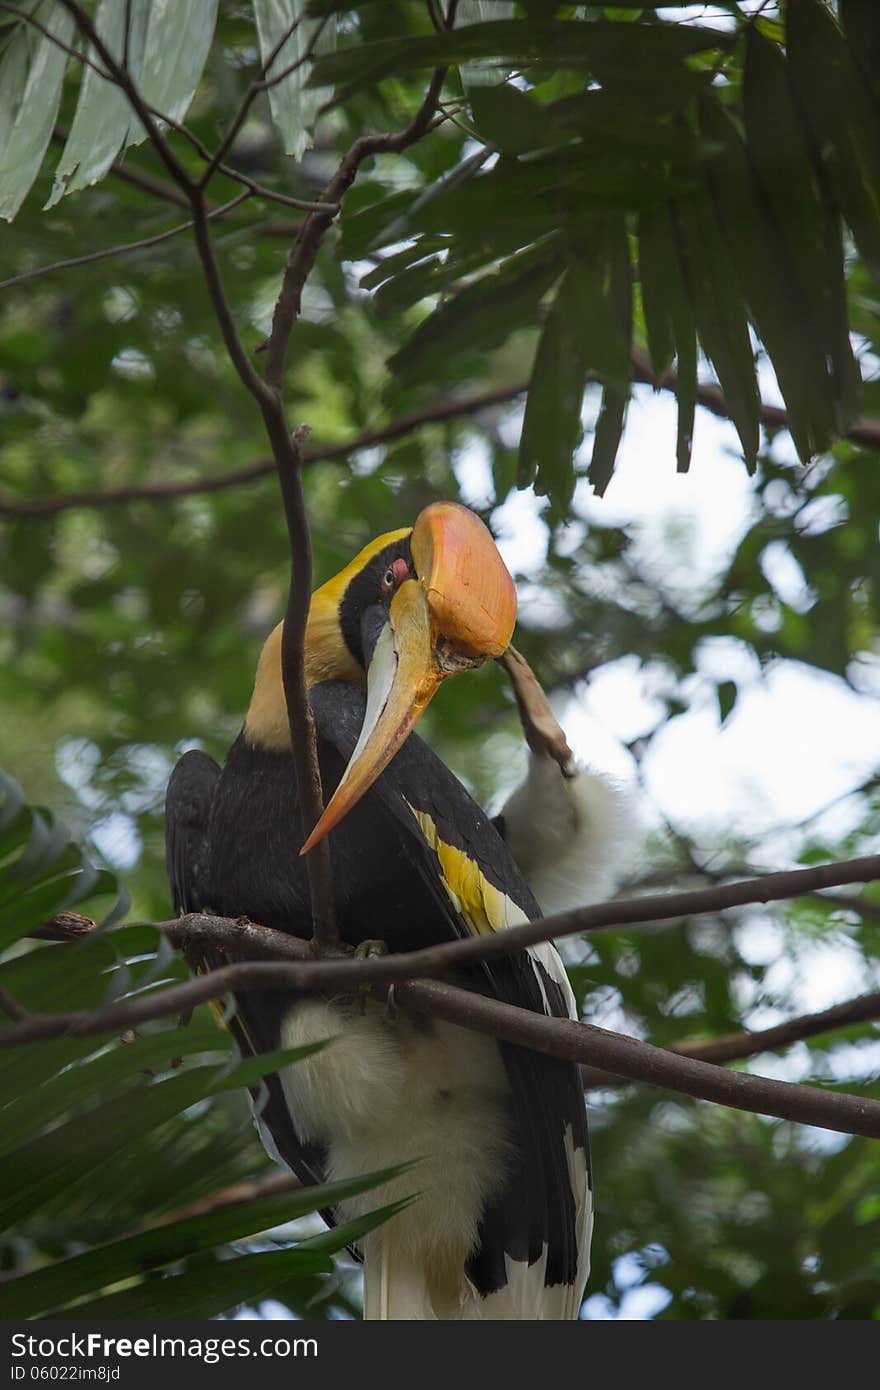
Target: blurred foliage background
131	631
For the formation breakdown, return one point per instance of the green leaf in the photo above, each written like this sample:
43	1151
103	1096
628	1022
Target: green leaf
252	1069
512	120
669	319
726	691
607	437
415	283
474	75
13	79
587	330
39	1108
103	112
839	113
767	280
478	318
861	24
293	106
808	229
66	1280
720	316
22	151
351	1232
551	428
639	124
604	49
175	52
201	1293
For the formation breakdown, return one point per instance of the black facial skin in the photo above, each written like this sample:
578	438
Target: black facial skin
364	608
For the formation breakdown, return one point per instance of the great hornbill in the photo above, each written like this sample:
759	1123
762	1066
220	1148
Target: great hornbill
502	1226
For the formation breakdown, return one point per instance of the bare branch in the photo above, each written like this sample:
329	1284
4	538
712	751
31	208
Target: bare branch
271	1184
11	1007
222	309
37	508
638	1061
305	249
736	1047
431	961
625	1058
122	250
865	431
733	1046
773	417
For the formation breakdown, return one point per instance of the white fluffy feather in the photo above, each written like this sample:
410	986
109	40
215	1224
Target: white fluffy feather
385	1091
565	833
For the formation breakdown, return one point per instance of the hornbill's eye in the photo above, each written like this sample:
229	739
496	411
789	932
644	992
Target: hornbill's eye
394	576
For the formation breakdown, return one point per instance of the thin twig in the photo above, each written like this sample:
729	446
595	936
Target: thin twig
271	1184
736	1047
39	507
315	227
862	906
222	308
11	1007
263	84
123	250
431	961
865	431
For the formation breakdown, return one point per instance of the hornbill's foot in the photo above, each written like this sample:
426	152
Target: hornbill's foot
374	950
366	950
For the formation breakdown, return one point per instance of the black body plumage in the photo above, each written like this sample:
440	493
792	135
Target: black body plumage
233	838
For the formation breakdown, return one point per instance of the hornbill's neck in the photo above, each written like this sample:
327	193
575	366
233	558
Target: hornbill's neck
328	653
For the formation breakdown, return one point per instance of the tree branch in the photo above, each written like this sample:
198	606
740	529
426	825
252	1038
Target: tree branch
271	1184
37	508
736	1047
305	249
865	432
285	964
222	309
121	250
638	1061
431	961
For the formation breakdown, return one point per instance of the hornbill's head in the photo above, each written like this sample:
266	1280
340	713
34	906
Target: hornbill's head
413	607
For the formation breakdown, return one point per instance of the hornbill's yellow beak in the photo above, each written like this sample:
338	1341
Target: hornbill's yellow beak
456	613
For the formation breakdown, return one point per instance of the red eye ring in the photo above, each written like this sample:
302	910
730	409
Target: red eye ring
394	576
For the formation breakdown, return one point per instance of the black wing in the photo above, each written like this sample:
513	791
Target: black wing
188	803
189	859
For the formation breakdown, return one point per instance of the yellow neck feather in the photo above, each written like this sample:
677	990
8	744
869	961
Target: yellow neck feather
327	654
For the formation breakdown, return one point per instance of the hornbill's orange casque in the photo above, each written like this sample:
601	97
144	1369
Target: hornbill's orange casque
502	1226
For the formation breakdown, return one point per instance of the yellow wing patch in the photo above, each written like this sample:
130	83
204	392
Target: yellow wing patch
483	906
